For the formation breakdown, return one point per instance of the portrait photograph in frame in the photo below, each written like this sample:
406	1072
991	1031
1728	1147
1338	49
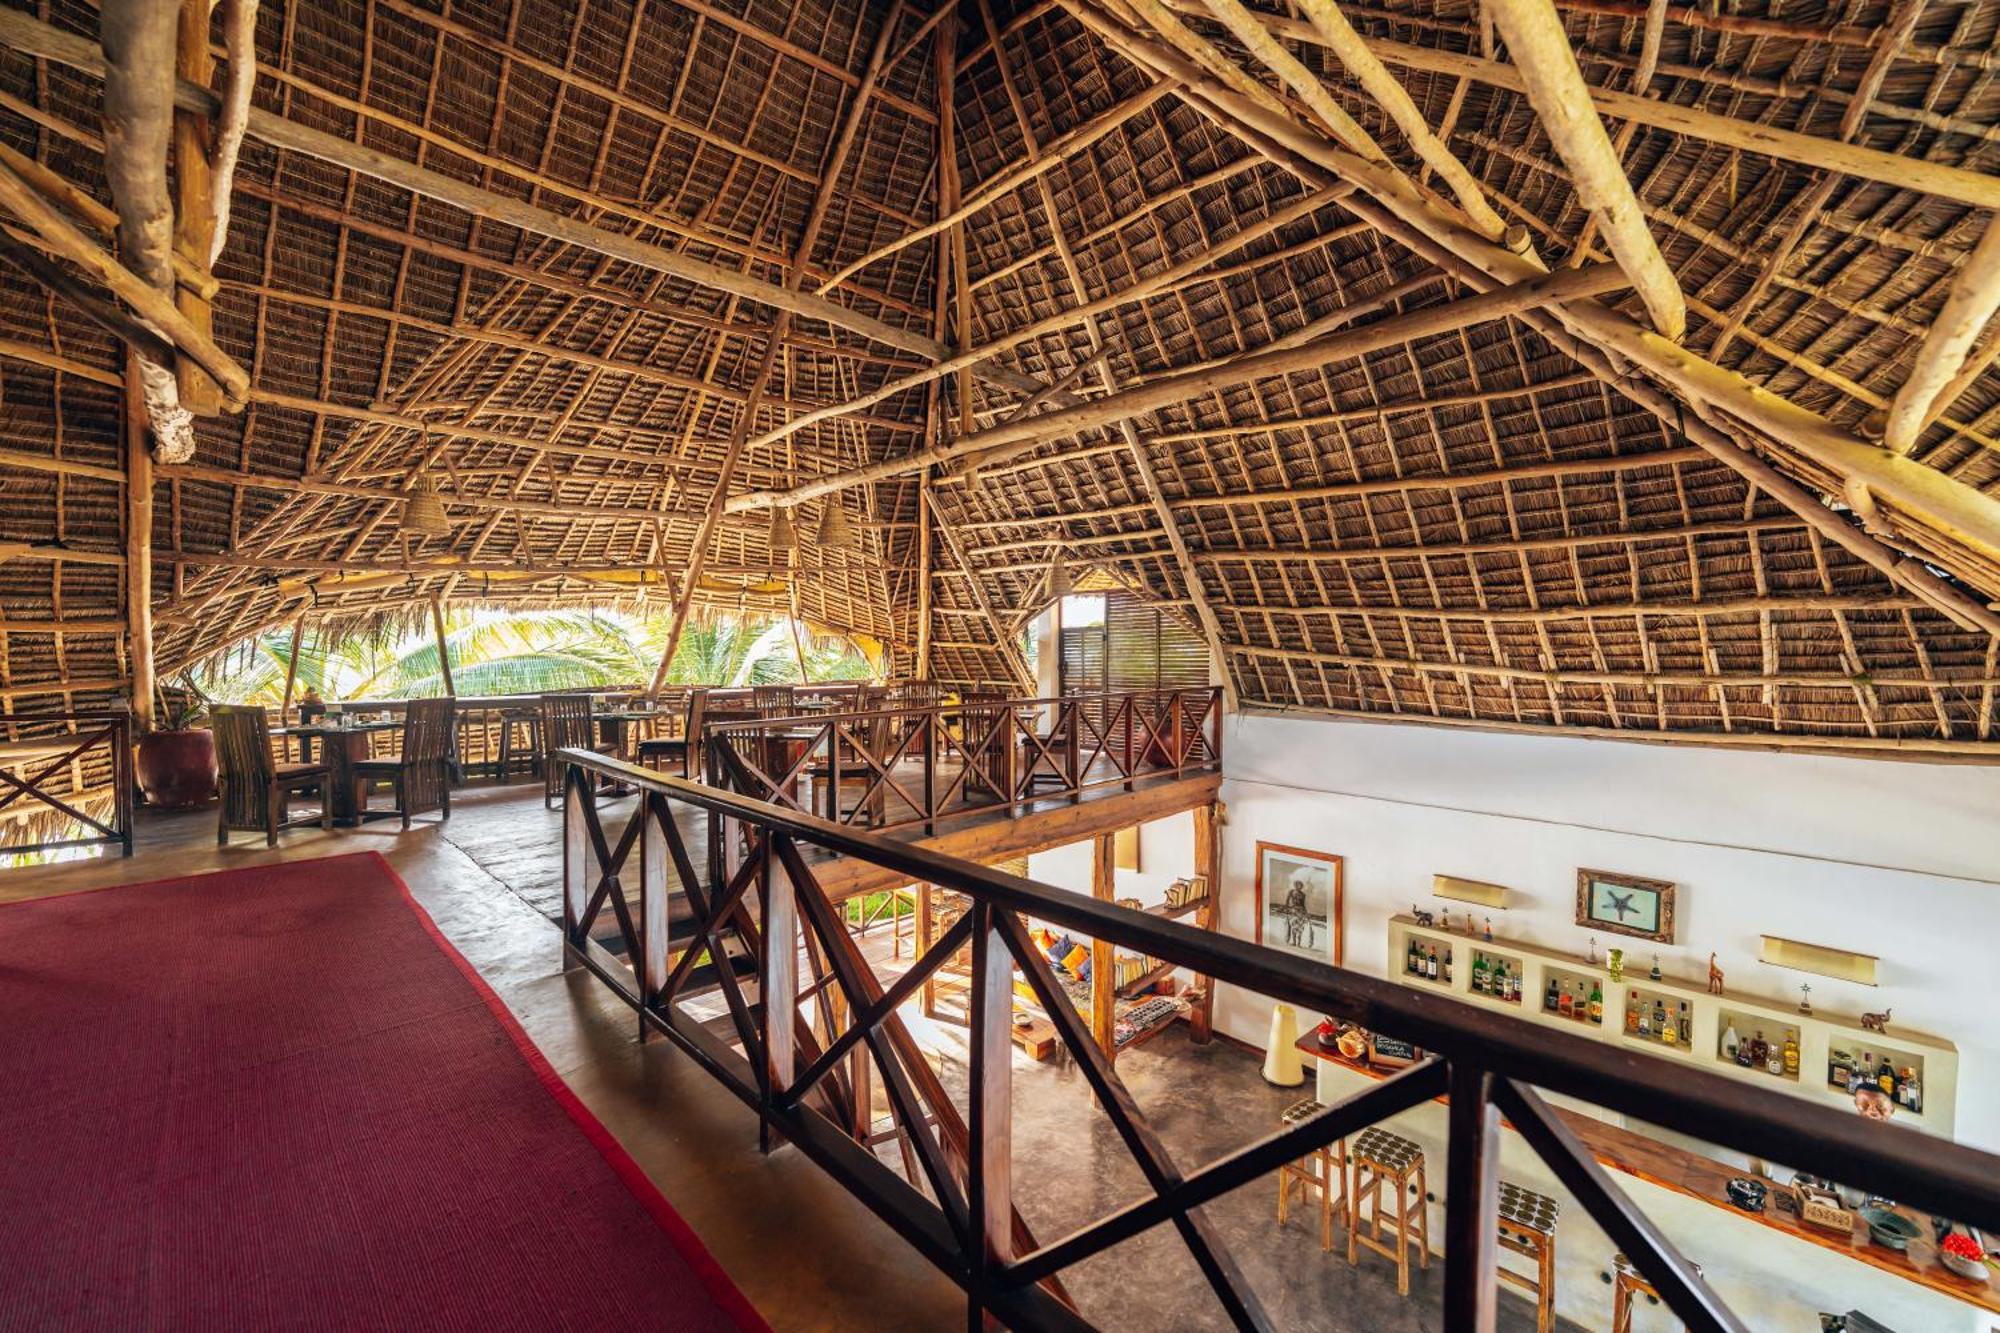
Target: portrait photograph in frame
1299	901
1626	905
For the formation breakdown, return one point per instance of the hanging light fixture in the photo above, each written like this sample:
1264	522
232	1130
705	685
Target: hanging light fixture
783	541
1059	584
835	532
423	509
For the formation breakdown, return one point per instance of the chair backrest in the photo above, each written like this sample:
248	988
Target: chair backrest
566	723
242	744
774	700
427	729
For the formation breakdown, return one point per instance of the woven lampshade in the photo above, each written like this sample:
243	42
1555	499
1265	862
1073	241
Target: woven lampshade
835	532
1059	583
783	541
423	511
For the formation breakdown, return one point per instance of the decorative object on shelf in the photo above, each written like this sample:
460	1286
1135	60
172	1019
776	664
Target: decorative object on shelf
1282	1068
1962	1255
1615	964
1818	1205
1299	901
1805	997
1890	1230
1746	1193
1469	891
1876	1022
1187	889
1487	933
1391	1052
1654	975
1714	975
1591	956
1425	919
1818	959
1626	904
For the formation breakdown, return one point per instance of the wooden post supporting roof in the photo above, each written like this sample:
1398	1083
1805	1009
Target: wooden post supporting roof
194	197
138	570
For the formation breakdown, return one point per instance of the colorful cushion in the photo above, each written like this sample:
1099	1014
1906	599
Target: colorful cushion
1058	949
1077	960
1043	939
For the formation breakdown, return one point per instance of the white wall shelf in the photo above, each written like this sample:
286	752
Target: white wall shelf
1819	1034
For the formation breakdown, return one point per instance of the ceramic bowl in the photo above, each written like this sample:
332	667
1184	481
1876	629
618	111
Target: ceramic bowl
1890	1230
1965	1268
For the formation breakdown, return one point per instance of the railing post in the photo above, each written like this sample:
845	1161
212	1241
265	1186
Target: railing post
930	810
778	983
1471	1202
990	1127
654	945
578	859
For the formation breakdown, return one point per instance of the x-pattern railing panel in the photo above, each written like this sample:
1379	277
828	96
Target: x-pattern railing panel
88	731
960	1214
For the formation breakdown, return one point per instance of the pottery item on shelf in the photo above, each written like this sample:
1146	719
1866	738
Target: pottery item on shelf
1890	1230
1746	1193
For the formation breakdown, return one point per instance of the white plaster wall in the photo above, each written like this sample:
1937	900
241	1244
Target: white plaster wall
1899	860
1166	852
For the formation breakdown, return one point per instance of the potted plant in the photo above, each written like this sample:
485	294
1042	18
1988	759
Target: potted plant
176	762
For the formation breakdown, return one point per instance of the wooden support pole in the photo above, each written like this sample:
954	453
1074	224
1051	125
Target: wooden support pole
924	575
990	1107
1207	864
1103	954
292	668
444	644
1541	51
194	199
138	546
1975	295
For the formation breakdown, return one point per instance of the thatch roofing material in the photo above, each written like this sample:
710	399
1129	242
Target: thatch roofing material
1488	523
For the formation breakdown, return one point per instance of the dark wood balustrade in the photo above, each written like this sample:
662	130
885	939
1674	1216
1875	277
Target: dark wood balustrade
803	1017
66	742
895	767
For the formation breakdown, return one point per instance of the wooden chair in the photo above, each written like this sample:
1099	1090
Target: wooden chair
421	771
1527	1225
566	725
668	751
255	787
774	700
1627	1285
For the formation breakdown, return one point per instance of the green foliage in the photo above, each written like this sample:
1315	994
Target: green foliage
531	652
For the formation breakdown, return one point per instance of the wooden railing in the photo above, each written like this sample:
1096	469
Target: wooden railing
668	926
892	767
68	747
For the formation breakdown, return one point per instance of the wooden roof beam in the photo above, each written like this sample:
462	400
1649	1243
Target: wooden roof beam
1974	296
1034	431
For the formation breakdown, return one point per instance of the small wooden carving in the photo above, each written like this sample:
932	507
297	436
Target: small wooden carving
1714	976
1423	918
1876	1022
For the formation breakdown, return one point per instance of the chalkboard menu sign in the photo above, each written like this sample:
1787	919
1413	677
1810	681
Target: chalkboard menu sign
1391	1052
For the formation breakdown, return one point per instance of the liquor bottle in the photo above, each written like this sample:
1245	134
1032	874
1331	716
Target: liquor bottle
1413	958
1447	963
1431	963
1596	1004
1760	1050
1479	974
1684	1030
1791	1059
1746	1053
1645	1020
1662	1028
1913	1091
1549	998
1774	1061
1730	1041
1565	1005
1885	1077
1514	984
1631	1012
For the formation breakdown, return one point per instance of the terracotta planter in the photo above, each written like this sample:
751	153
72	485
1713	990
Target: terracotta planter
176	769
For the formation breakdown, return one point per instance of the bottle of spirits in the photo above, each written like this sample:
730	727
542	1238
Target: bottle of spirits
1760	1050
1913	1091
1730	1041
1774	1061
1684	1029
1480	977
1431	963
1645	1020
1663	1028
1791	1056
1549	997
1596	1004
1413	959
1447	963
1885	1077
1631	1012
1566	1004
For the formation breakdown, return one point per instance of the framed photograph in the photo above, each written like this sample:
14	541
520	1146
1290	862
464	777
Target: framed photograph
1625	905
1298	901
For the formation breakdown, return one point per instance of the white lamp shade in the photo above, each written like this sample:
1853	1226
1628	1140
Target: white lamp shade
1282	1066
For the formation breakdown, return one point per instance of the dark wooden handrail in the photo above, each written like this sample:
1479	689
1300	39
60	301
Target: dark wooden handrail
1487	1061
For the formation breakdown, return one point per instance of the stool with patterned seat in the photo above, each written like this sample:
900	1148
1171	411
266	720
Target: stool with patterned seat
1323	1171
1381	1158
1528	1228
1626	1283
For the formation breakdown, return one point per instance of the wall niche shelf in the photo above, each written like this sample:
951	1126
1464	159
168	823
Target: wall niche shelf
1826	1040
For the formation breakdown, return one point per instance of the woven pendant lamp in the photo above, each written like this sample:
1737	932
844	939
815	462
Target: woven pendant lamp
1059	583
835	532
782	539
423	510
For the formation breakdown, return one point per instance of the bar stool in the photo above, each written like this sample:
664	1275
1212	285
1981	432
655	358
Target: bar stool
530	725
1528	1228
1626	1283
1381	1158
1320	1171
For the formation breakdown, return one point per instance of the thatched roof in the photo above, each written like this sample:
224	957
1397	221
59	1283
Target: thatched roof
1534	511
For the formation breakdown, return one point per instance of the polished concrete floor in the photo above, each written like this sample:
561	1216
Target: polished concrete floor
805	1253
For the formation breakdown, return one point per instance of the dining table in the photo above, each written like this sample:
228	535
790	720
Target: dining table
343	743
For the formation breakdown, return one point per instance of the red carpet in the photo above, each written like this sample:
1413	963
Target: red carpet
276	1098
